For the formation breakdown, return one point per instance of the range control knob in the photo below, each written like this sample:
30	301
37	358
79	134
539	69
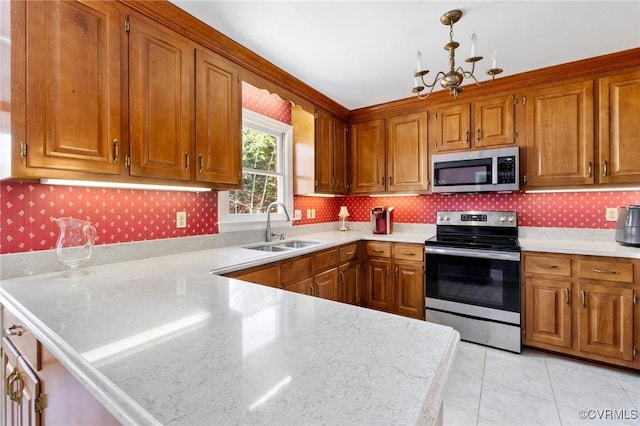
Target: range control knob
511	219
503	219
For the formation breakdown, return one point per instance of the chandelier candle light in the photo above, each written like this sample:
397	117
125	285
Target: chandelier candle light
344	214
454	77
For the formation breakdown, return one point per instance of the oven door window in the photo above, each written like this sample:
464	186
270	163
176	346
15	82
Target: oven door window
481	282
467	172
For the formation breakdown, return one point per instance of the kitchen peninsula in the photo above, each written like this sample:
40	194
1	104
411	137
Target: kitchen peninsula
164	341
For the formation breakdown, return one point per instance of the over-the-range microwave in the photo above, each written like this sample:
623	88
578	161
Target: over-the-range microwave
484	170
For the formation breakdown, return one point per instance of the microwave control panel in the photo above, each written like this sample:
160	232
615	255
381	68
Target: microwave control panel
507	169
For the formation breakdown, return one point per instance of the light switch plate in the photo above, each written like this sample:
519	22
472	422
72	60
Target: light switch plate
611	214
297	214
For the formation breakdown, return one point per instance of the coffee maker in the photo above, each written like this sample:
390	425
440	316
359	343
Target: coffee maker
382	220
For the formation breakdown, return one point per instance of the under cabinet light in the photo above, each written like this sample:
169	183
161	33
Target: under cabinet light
552	191
392	195
97	184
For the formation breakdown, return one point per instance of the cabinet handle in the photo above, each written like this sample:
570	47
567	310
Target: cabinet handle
478	136
390	180
349	253
377	250
116	151
546	266
186	158
14	330
342	277
201	162
605	171
311	290
589	171
383	180
14	376
466	137
566	296
582	299
387	271
396	274
605	271
408	253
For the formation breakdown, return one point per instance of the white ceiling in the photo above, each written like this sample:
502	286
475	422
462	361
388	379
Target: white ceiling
361	53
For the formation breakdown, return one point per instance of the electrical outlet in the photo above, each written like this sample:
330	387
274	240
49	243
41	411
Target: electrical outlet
313	213
611	214
308	213
297	214
181	219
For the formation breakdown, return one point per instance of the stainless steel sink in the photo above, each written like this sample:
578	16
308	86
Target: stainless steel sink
269	248
297	244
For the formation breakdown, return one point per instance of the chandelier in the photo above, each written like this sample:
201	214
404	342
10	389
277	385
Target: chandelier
454	77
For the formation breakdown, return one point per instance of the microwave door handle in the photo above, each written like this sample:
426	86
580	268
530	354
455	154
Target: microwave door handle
480	254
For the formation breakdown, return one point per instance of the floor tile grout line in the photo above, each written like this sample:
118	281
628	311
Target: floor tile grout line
553	392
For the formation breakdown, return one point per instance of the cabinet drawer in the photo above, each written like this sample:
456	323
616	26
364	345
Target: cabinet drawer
349	252
409	252
378	249
548	265
25	342
269	275
296	269
606	271
325	260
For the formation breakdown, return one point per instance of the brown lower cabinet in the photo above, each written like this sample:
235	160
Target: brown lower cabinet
37	389
330	274
394	278
583	306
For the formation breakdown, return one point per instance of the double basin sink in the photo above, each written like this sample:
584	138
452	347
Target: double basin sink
284	245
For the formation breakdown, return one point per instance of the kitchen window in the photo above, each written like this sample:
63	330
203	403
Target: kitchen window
266	175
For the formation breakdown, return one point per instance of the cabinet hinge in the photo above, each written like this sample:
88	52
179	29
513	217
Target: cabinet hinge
635	299
40	403
127	161
127	26
524	330
23	149
515	100
524	100
315	115
524	178
634	351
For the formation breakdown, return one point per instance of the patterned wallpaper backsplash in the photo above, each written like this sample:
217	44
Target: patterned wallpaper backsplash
120	215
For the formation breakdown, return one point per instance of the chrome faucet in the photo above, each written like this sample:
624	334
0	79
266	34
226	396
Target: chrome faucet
286	216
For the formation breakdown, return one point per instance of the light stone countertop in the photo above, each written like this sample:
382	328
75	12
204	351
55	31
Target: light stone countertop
163	341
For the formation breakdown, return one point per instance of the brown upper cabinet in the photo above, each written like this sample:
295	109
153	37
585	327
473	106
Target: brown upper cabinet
330	154
485	122
66	89
390	154
619	128
161	81
559	134
103	93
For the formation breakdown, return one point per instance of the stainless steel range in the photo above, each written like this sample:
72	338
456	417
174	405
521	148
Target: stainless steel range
473	276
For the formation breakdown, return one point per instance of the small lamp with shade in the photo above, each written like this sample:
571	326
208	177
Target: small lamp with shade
343	214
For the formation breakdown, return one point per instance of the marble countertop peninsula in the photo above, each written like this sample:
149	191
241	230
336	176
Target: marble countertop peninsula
164	341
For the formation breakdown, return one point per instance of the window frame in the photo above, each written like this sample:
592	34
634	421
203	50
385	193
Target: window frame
228	222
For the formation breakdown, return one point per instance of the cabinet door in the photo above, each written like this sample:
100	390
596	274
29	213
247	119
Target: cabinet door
268	275
368	157
327	285
341	185
73	105
493	121
453	128
161	91
21	405
619	137
605	320
548	311
218	121
303	286
409	289
377	287
348	273
407	153
324	179
559	129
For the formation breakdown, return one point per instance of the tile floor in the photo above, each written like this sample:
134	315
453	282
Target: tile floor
492	387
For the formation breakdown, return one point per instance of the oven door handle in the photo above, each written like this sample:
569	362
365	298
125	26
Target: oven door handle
481	254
